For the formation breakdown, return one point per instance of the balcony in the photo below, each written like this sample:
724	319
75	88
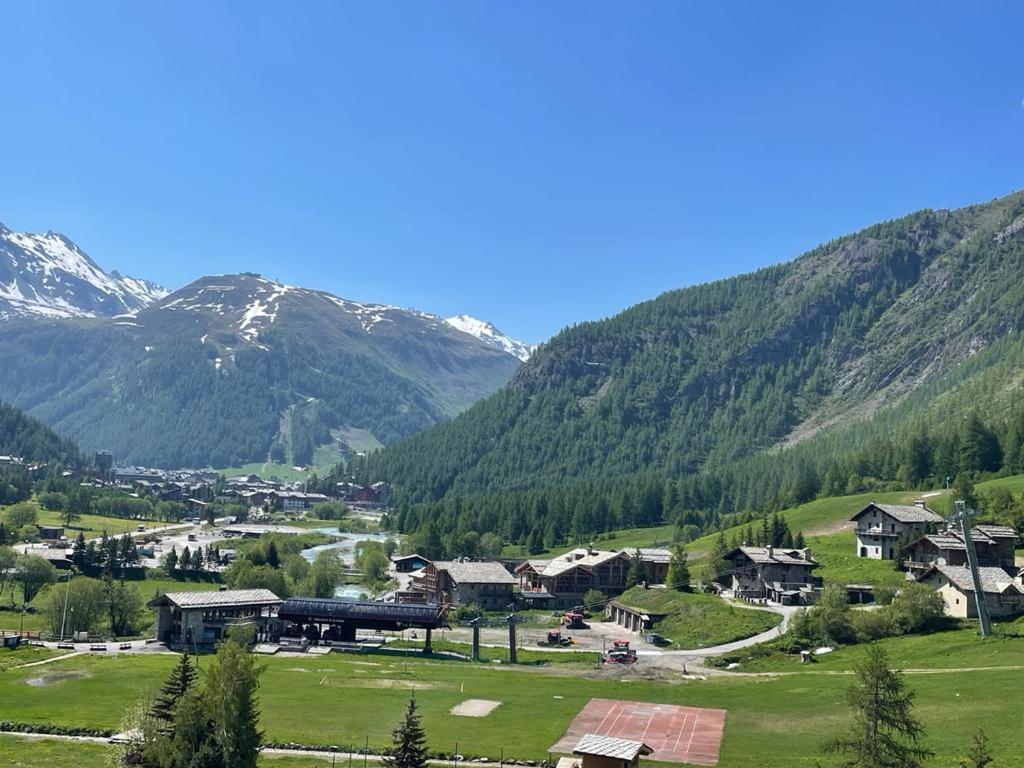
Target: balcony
878	531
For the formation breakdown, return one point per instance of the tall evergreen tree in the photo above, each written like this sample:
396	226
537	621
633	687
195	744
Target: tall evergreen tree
885	733
410	750
177	685
230	693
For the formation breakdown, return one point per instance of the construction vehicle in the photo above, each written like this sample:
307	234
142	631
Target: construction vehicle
574	620
620	653
555	637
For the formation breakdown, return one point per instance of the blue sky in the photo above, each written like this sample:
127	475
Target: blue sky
533	164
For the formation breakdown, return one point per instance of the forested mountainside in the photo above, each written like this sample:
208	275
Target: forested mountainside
26	438
737	392
237	368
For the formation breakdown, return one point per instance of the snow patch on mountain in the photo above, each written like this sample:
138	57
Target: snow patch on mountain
490	335
47	275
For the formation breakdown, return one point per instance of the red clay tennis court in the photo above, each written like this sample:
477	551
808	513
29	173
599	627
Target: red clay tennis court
676	734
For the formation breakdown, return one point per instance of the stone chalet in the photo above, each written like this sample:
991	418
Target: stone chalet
563	581
1003	593
200	619
454	582
780	575
994	545
879	526
655	561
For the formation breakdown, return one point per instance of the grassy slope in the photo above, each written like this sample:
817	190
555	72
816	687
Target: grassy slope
773	721
696	620
952	649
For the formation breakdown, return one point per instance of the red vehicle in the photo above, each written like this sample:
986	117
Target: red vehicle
573	620
620	653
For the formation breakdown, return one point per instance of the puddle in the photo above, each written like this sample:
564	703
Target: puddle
53	678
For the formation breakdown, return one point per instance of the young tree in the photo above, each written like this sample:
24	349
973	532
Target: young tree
171	560
594	600
185	563
124	606
885	733
410	750
230	694
177	685
678	576
33	573
84	601
979	755
637	573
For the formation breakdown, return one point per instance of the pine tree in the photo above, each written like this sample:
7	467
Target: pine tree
979	755
230	694
678	576
171	561
885	733
78	551
410	750
178	684
637	573
185	563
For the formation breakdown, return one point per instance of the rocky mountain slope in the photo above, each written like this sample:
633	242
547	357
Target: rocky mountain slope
237	368
48	275
893	319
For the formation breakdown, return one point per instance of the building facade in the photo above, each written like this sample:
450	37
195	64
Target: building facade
881	527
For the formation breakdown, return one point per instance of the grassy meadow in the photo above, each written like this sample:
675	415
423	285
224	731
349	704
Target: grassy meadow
772	720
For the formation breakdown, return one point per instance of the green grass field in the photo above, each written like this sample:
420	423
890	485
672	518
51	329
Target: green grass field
697	620
25	654
94	526
488	655
772	721
958	648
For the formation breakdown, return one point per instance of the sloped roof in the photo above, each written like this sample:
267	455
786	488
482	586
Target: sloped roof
218	599
952	539
993	580
903	513
608	746
655	554
476	573
777	555
577	558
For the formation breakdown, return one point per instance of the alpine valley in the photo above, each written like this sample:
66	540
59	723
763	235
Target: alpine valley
229	369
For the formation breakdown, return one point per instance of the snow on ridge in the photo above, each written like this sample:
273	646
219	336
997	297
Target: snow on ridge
53	277
490	335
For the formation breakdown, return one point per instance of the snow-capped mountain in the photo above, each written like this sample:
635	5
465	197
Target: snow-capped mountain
47	275
490	335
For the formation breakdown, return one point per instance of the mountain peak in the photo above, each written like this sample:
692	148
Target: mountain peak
486	332
49	275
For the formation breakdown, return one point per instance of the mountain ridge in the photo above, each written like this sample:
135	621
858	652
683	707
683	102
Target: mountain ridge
704	376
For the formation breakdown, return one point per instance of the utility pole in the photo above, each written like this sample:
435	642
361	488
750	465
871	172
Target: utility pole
512	658
64	616
964	515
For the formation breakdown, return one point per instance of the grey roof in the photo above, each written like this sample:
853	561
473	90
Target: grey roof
655	554
952	538
366	613
608	746
218	599
993	580
904	513
777	555
577	558
476	573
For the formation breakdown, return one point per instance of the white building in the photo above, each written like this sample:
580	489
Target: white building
880	526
